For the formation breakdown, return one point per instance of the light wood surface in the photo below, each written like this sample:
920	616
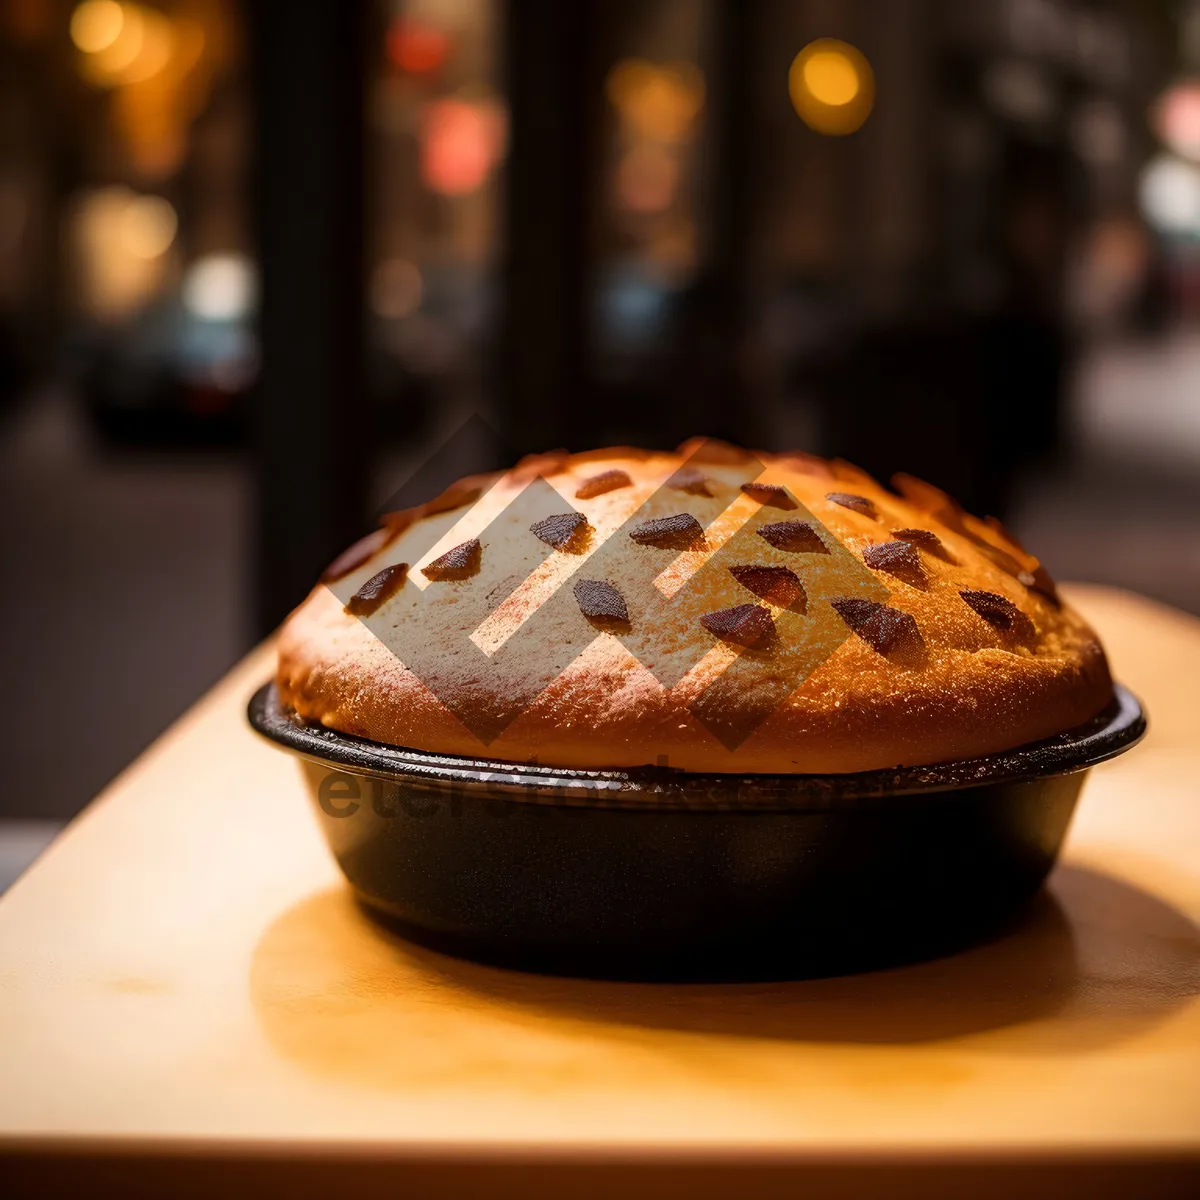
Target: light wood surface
183	974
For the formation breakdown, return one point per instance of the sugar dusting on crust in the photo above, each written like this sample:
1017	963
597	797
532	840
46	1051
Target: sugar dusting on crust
973	687
770	495
859	504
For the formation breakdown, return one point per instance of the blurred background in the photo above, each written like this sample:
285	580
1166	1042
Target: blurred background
264	266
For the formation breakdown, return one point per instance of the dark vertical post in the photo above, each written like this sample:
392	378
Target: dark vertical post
552	66
731	133
309	424
728	402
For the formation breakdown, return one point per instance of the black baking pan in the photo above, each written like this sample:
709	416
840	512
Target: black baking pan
657	873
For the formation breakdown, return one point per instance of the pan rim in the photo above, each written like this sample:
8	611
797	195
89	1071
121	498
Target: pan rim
1117	728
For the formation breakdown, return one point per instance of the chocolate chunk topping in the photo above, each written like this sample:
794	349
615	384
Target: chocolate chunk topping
797	537
921	537
688	479
999	612
606	481
560	530
776	584
681	532
858	503
354	556
896	558
770	494
746	625
380	588
996	610
598	600
933	500
886	630
458	563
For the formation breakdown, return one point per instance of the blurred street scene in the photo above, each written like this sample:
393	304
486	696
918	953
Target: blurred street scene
259	262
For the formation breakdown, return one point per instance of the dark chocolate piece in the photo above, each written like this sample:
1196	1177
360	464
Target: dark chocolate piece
688	479
859	504
354	556
776	584
797	537
560	530
598	600
998	611
952	514
458	563
681	532
380	588
923	538
897	558
745	625
606	481
886	630
769	494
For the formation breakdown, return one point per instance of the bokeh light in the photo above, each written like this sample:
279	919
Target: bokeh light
119	241
832	86
107	64
461	141
416	47
656	102
831	78
1169	191
154	53
648	178
121	44
96	24
1177	118
147	226
220	287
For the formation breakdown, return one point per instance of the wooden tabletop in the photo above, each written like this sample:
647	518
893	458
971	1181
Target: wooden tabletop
187	994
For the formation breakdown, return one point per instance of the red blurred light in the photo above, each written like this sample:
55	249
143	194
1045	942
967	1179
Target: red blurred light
416	48
460	143
1178	118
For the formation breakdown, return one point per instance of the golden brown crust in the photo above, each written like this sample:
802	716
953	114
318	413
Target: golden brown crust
1006	665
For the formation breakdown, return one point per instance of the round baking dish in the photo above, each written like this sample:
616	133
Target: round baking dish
657	873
